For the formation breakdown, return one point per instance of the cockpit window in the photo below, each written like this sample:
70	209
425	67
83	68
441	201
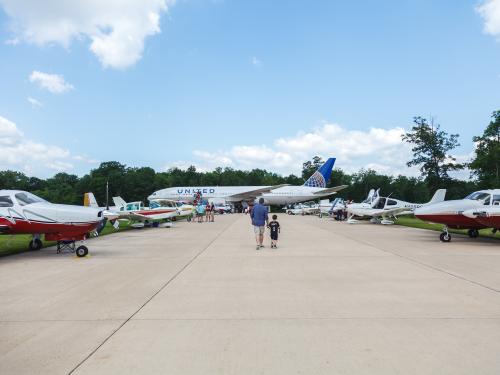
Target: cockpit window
496	200
5	201
479	196
25	198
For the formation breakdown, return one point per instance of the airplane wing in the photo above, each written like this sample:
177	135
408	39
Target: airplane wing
252	194
331	190
392	212
134	216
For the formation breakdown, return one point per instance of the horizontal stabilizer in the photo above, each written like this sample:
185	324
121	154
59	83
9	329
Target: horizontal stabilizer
331	190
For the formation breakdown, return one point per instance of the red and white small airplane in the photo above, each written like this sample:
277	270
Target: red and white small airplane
24	213
161	210
461	213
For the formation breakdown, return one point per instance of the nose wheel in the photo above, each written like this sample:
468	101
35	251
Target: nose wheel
445	236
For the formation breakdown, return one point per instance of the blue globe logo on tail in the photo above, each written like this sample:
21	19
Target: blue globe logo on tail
322	175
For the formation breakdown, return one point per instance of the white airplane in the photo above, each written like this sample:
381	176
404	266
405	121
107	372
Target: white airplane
383	209
160	210
313	188
25	213
453	213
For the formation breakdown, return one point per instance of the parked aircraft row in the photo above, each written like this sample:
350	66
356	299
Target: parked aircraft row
24	213
479	210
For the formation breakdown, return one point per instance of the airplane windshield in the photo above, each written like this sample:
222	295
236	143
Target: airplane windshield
479	196
154	204
25	198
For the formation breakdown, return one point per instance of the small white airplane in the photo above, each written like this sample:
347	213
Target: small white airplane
313	188
384	209
158	211
25	213
452	213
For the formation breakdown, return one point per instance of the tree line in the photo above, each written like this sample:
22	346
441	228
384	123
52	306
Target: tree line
431	147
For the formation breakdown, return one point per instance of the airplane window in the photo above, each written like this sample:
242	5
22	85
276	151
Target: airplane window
25	198
478	196
5	201
496	200
391	202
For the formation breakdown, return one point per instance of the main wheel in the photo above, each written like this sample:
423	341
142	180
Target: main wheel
473	233
35	244
81	251
445	237
289	212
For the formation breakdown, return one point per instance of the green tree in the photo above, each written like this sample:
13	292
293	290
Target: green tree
431	147
310	166
486	163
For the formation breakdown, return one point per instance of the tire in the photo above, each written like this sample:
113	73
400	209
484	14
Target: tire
445	237
81	251
35	244
473	233
289	212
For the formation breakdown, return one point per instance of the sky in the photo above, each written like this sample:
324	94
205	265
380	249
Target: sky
242	84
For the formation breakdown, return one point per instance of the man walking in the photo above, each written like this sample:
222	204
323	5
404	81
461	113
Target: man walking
260	219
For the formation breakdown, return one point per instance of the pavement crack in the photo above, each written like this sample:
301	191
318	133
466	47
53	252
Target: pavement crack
167	283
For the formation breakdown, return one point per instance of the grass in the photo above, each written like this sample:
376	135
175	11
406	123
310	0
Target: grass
411	221
18	243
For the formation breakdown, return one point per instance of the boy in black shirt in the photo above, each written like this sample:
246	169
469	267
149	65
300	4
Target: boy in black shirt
274	228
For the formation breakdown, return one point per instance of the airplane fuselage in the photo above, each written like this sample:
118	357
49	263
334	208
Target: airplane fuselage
280	196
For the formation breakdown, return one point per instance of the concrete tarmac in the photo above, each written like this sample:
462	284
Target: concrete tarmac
199	299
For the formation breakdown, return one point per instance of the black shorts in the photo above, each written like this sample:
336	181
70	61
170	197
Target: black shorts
274	236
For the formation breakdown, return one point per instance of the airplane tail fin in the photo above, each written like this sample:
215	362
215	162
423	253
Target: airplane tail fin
89	200
119	203
322	175
370	196
438	196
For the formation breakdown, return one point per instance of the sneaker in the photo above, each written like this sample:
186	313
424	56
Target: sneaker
261	246
258	247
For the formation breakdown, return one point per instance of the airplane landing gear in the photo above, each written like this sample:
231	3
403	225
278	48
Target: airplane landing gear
81	251
35	244
445	236
473	233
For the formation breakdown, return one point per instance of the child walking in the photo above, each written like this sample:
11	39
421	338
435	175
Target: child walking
274	228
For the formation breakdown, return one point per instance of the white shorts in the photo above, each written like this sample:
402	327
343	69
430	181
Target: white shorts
259	230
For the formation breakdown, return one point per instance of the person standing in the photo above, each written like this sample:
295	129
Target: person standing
260	219
212	212
207	212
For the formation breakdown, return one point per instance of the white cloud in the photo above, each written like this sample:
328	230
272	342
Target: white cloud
85	159
34	102
376	148
116	29
490	12
34	158
54	83
256	62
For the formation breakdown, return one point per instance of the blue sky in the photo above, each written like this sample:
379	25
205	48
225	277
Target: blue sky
240	83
